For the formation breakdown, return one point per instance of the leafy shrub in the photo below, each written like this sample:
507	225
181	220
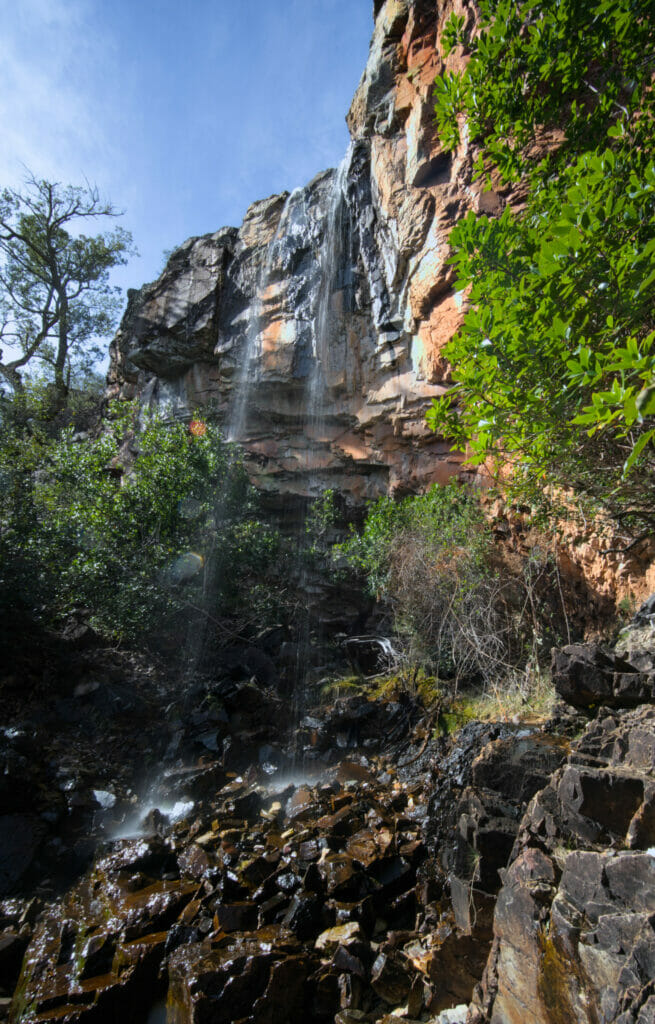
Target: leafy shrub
458	610
555	362
135	525
427	556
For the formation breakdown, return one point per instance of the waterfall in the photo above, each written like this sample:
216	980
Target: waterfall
237	418
334	277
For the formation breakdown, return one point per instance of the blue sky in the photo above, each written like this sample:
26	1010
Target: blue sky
181	113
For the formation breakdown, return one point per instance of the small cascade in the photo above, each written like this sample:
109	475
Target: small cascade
237	418
335	263
238	414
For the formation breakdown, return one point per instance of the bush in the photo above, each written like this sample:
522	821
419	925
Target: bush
134	526
457	609
428	558
553	368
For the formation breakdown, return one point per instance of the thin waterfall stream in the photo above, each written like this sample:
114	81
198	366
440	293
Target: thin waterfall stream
236	420
334	269
238	414
325	230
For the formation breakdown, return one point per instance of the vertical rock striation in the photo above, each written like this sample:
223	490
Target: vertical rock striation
336	297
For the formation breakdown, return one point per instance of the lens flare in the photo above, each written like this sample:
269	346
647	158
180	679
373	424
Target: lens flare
185	567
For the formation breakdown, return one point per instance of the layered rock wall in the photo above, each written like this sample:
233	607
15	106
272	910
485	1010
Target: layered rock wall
314	331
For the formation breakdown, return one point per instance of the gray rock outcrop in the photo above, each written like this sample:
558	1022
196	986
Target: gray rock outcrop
313	332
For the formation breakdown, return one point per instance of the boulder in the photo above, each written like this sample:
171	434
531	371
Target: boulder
573	924
589	674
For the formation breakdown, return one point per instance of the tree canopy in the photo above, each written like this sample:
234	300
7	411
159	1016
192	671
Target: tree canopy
55	295
554	367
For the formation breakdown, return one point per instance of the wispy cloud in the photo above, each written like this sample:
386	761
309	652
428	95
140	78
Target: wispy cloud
51	117
183	114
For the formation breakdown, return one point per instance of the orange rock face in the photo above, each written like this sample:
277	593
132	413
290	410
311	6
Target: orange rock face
329	306
316	330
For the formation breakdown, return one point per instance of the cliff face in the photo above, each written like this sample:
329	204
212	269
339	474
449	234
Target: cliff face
314	330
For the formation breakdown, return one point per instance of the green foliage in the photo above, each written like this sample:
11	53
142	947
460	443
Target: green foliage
56	301
447	518
554	367
319	523
30	408
427	557
577	66
134	525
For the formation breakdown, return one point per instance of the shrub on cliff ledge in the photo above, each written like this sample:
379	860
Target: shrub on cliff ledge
554	367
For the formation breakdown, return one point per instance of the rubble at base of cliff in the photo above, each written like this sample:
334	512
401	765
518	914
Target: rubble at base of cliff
366	868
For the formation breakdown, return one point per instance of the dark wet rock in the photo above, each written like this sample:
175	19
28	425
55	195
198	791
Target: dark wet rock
354	771
588	674
287	881
200	977
369	845
362	911
257	870
302	805
390	978
273	909
481	789
12	949
231	889
285	996
345	960
20	838
245	806
343	878
355	721
407	903
369	654
154	822
236	917
260	972
251	662
310	850
516	766
393	876
100	949
194	783
305	917
350	1016
573	927
340	825
21	770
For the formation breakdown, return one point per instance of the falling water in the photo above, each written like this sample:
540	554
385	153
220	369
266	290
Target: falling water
334	274
236	421
252	346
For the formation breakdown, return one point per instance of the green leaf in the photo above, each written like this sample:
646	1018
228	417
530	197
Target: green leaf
637	450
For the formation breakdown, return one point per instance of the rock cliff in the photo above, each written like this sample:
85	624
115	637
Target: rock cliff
314	330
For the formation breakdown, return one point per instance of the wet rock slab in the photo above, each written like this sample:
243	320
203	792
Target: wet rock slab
574	925
96	955
366	892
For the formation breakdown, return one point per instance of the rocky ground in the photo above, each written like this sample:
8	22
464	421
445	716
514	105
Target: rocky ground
199	858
